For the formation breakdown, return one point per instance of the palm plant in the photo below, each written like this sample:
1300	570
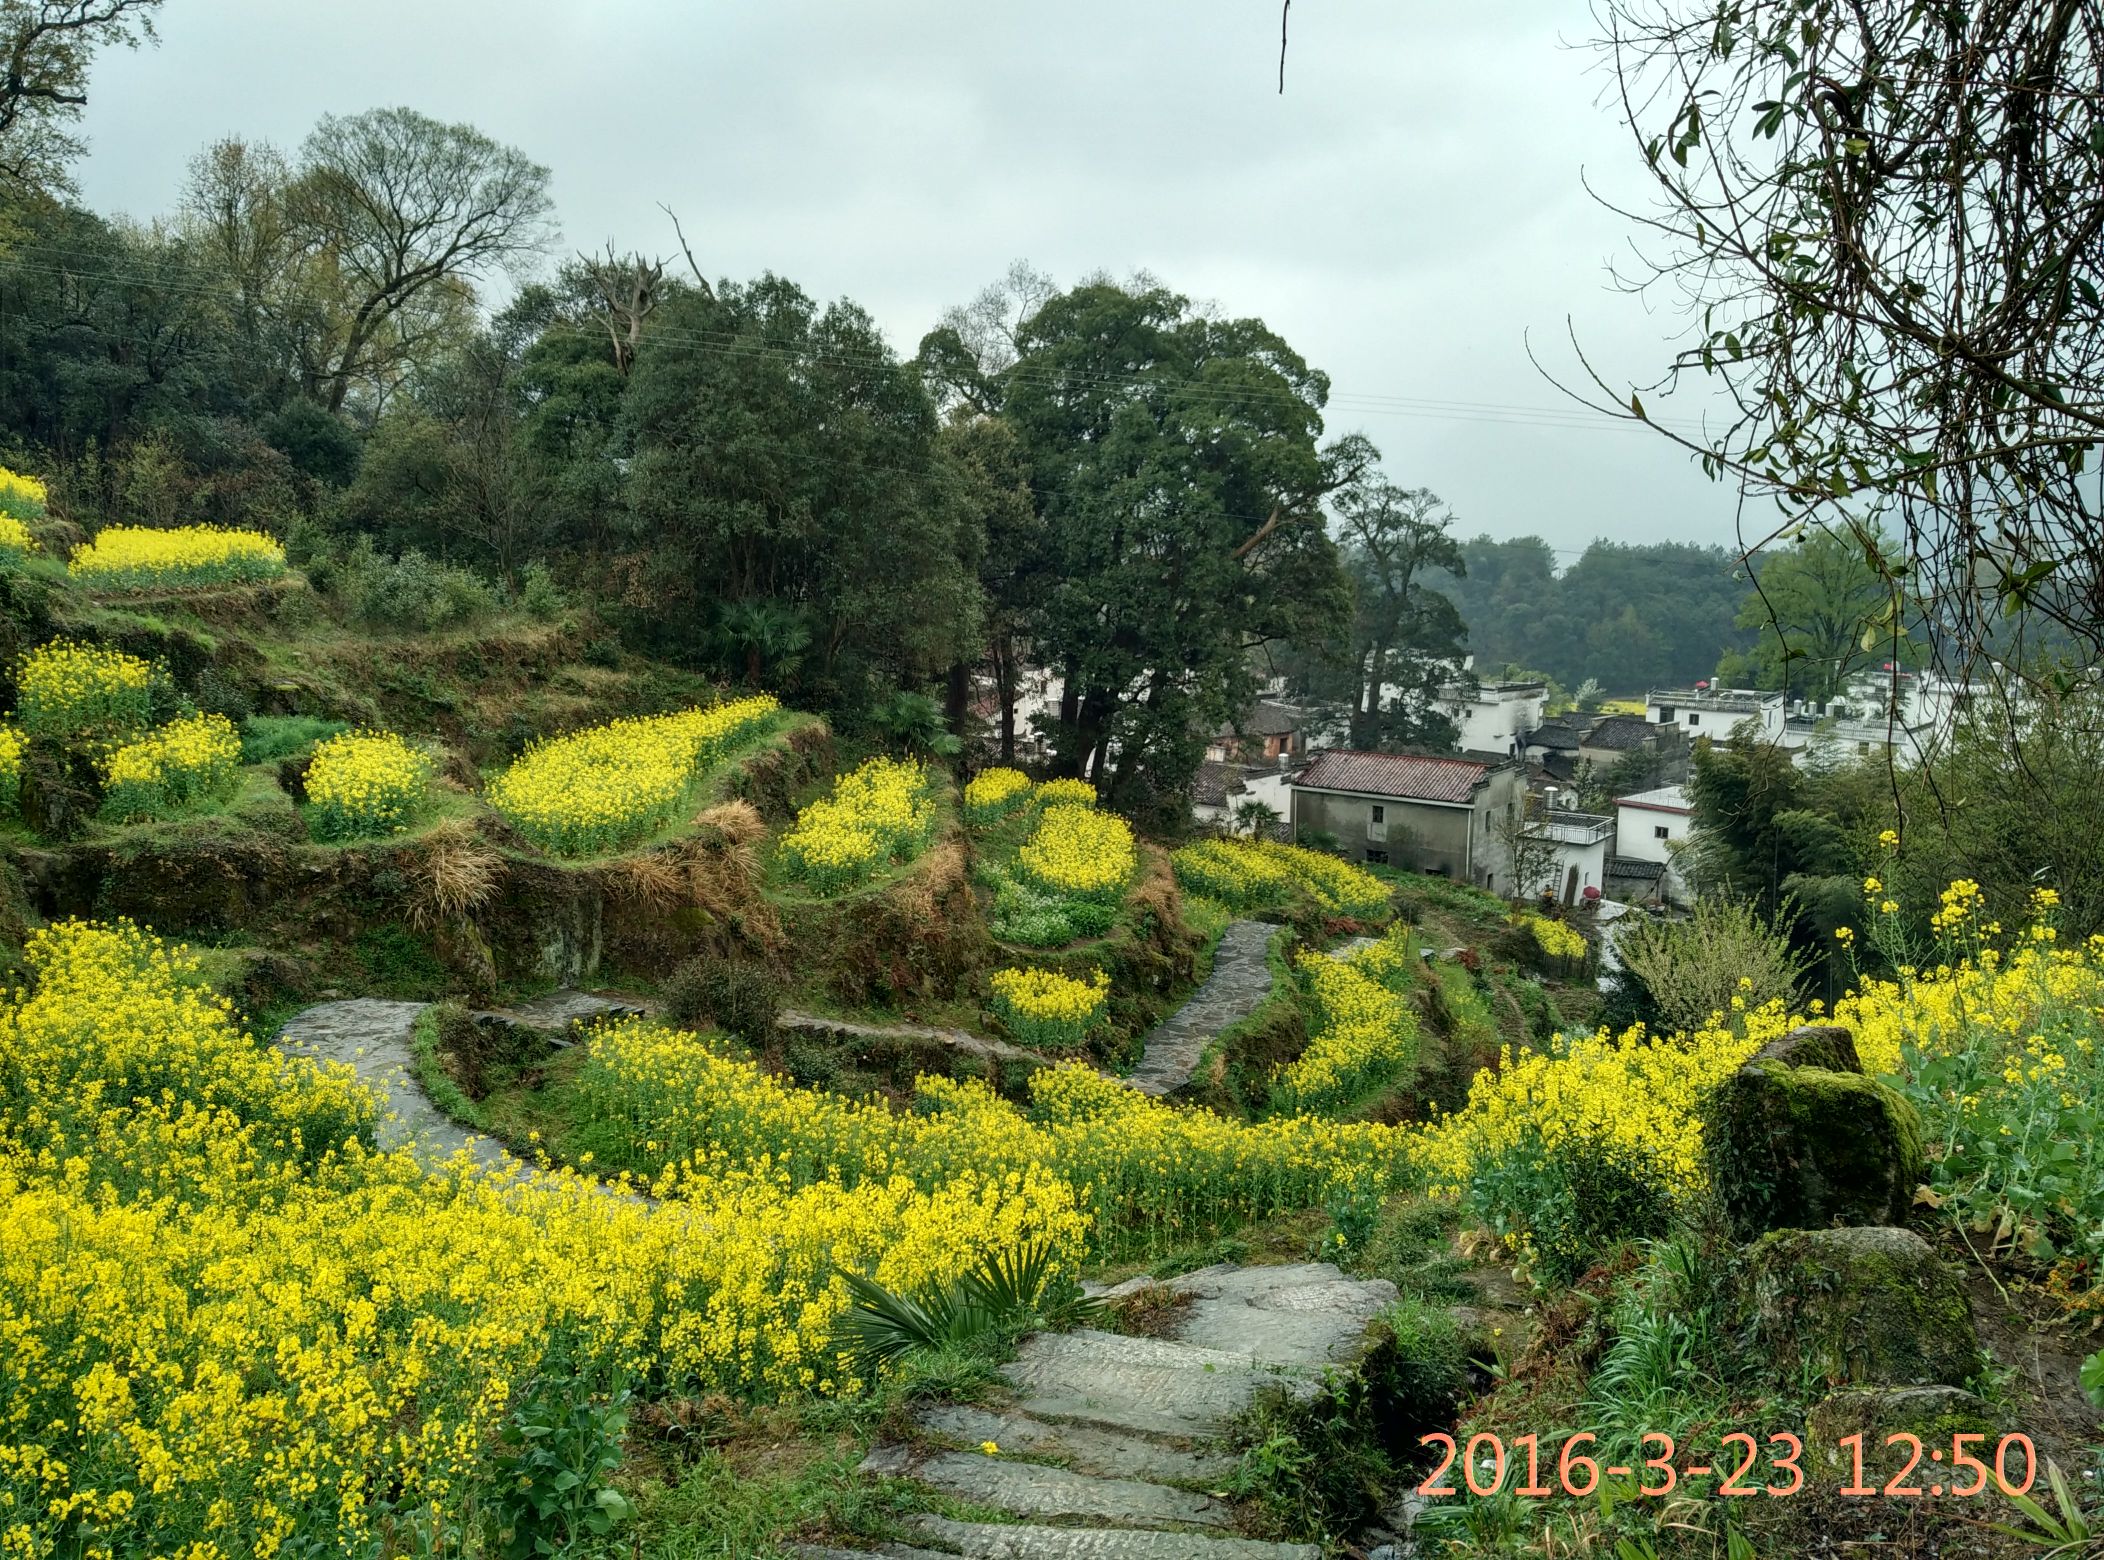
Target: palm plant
1007	1292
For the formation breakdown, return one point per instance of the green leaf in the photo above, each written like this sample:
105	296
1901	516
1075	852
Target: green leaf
1636	405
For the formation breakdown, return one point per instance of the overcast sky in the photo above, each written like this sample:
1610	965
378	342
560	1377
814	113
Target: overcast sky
1405	215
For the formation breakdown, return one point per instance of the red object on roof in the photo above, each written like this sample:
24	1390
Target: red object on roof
1406	776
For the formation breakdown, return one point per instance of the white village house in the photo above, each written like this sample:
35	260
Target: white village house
1437	815
1650	826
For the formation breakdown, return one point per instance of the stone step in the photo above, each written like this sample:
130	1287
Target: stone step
884	1551
1305	1313
999	1541
1059	1494
1084	1447
1240	980
1146	1386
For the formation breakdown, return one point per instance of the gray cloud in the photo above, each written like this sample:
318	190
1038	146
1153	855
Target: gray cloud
1405	214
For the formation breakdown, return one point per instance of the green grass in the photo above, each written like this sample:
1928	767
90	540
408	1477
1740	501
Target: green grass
266	739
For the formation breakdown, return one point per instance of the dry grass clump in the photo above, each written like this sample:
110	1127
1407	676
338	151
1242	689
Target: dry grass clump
453	872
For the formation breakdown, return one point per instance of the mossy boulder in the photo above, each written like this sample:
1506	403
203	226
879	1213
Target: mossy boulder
1793	1143
1935	1414
1864	1307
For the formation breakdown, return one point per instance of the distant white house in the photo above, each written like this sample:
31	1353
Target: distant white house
1220	788
1650	826
1705	711
1493	717
1581	847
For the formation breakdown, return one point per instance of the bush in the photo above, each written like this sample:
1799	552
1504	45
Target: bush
409	592
267	738
1698	967
741	998
365	782
539	595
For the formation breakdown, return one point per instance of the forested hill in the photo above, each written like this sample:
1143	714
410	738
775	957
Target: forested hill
1631	617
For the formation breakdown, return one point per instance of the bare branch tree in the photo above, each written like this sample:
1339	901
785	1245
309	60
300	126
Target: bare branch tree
45	47
1886	222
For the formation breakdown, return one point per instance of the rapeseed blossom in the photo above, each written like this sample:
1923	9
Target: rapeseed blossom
992	792
66	691
227	1320
1065	792
1262	874
608	786
1554	938
366	782
1047	1009
15	537
11	749
877	814
1365	1034
21	497
1080	852
185	763
129	557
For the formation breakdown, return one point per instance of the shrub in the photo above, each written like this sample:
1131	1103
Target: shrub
1049	1010
267	738
365	782
539	595
66	691
1697	968
128	557
184	763
409	592
738	996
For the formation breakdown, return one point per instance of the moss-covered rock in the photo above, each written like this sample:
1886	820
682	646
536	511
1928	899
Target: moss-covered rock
1863	1307
1935	1414
1798	1147
1830	1046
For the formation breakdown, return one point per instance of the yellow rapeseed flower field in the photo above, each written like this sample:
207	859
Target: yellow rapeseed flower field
66	690
22	497
877	814
182	764
993	792
1048	1009
608	786
1065	792
1080	852
226	1320
1261	874
131	557
15	537
1365	1034
366	782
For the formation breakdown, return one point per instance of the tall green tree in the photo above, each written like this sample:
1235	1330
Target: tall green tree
1179	470
45	49
1407	638
782	454
1821	613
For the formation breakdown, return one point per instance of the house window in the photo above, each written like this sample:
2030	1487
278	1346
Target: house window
1660	832
1380	813
1694	719
1378	857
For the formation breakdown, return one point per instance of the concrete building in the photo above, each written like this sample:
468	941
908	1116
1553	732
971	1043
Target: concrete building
1650	826
1580	846
1493	717
1703	711
1438	815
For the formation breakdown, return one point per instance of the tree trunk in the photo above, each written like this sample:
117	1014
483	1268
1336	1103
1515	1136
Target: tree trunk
1003	649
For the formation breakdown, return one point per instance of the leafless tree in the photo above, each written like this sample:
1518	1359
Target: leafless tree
45	47
1886	222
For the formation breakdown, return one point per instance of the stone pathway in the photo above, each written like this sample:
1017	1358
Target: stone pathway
1113	1445
373	1036
1240	980
955	1039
